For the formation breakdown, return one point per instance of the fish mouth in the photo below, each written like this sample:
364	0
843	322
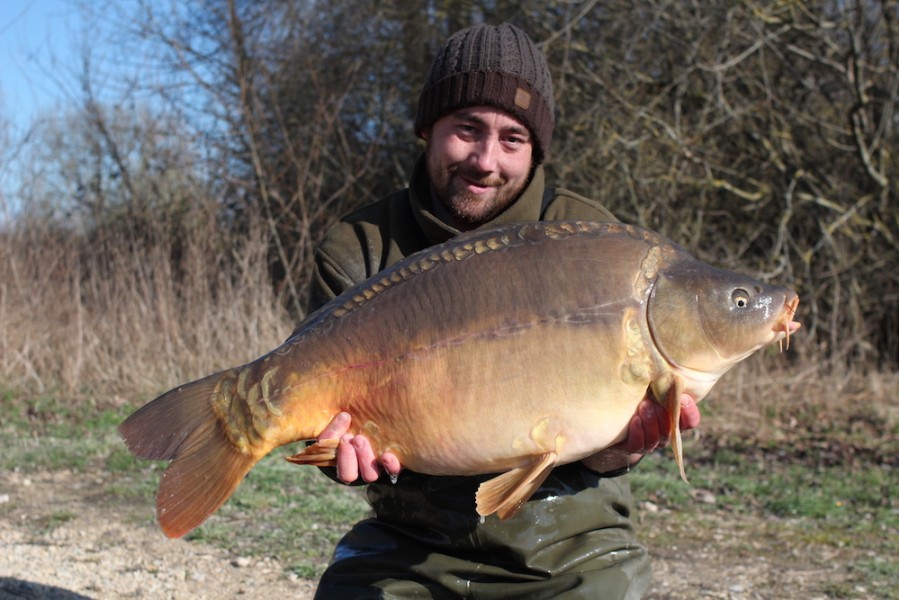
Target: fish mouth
786	326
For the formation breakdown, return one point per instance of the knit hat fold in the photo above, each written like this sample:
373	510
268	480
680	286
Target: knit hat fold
491	65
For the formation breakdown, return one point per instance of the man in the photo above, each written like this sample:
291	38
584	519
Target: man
486	115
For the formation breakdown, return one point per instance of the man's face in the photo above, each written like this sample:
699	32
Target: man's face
479	161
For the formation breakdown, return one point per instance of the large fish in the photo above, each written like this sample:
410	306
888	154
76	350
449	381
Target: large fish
508	351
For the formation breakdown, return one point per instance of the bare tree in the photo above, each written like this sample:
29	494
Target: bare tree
760	135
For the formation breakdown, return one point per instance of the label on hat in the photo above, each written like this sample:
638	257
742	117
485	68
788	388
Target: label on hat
522	99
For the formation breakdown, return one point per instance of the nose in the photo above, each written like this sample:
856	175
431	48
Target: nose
485	154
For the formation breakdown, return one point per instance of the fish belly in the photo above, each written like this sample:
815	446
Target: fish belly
493	402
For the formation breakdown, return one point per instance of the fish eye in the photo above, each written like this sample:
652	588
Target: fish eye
740	298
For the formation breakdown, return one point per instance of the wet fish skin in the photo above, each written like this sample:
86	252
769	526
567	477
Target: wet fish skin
503	351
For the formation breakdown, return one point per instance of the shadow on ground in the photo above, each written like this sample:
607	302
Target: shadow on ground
18	589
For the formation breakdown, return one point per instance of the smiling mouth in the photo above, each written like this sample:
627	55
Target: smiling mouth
479	182
483	185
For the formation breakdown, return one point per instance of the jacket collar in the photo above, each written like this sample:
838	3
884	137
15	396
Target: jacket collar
527	207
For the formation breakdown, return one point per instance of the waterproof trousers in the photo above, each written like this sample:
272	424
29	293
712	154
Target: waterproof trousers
573	539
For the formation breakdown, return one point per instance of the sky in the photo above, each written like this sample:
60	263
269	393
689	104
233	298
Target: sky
38	56
42	45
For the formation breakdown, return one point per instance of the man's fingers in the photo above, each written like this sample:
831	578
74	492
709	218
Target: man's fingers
338	426
653	418
391	463
347	463
368	465
689	413
635	441
355	456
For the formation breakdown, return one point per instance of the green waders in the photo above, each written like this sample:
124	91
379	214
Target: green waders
573	539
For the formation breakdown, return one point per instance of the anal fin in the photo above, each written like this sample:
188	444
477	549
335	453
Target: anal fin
504	494
322	453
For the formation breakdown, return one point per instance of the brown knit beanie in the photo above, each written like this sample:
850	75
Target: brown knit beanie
492	65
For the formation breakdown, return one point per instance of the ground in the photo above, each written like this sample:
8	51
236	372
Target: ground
62	537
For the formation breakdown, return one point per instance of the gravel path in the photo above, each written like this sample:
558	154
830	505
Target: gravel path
57	540
63	537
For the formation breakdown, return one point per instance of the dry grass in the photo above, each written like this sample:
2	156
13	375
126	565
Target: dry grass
124	316
773	398
128	316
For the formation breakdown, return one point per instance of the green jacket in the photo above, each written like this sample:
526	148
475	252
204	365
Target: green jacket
574	536
383	233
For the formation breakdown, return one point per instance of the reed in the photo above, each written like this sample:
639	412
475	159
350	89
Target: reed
124	315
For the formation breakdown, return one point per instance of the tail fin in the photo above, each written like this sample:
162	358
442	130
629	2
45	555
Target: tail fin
206	467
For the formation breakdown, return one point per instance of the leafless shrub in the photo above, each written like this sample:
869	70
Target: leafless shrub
131	315
762	136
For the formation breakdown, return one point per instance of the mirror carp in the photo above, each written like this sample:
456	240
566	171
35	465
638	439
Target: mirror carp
508	350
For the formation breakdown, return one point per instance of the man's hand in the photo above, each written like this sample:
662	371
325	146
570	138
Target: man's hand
355	456
648	430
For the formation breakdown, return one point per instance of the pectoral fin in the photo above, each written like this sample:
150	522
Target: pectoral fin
322	453
505	493
673	407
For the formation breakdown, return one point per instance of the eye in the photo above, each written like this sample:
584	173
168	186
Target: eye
740	298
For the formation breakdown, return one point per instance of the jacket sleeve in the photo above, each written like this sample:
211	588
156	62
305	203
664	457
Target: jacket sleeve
566	205
340	261
328	281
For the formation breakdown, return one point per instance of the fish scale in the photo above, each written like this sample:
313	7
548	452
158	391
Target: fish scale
510	351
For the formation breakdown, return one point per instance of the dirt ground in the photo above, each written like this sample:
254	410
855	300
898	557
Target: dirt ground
62	538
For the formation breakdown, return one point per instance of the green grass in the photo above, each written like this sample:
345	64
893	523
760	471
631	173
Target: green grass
294	513
807	501
833	495
782	486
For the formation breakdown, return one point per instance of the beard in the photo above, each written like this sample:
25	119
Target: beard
450	184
